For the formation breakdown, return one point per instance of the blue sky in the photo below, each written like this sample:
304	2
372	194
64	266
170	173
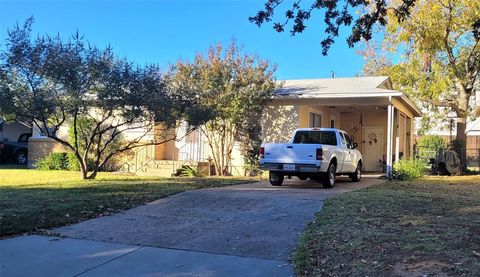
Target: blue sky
164	31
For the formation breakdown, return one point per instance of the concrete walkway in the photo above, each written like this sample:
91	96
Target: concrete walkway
242	230
51	256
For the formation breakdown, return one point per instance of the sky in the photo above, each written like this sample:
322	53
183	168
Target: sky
164	31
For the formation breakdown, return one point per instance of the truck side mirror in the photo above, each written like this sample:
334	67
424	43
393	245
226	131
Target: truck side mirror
355	145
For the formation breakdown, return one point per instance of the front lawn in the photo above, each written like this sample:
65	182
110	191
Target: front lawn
33	200
418	228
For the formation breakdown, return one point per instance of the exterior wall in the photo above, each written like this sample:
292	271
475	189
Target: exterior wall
354	122
279	122
12	130
40	147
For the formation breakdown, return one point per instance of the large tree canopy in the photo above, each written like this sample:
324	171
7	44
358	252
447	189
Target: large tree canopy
438	56
50	83
337	13
234	87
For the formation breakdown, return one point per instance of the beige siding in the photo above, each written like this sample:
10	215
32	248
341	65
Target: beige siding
39	148
11	131
279	123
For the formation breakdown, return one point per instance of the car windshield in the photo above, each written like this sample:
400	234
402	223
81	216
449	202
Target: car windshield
315	137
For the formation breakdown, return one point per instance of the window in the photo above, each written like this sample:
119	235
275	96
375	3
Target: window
332	123
315	120
315	137
343	139
349	141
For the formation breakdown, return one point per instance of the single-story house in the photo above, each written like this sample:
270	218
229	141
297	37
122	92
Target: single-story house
379	119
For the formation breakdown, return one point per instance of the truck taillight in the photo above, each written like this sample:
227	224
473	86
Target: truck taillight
319	154
262	152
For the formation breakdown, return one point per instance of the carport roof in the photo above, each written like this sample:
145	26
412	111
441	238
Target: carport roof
356	88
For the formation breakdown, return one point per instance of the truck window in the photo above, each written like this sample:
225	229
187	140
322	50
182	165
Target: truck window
349	141
316	137
342	137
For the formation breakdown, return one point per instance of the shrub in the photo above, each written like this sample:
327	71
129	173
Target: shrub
73	164
187	171
428	145
408	169
58	161
54	161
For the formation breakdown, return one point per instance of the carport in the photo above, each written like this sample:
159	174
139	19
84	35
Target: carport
378	118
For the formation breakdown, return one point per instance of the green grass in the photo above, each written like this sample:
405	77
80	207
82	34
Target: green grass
32	200
429	226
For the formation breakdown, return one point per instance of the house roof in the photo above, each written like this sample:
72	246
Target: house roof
473	128
335	88
335	85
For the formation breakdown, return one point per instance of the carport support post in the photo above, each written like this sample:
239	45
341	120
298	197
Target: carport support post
389	140
397	137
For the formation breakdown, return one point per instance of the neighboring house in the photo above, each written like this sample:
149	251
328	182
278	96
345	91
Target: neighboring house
379	119
10	131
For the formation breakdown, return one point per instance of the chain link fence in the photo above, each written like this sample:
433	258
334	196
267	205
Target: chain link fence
471	156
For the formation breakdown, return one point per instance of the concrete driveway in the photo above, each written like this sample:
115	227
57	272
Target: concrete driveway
251	221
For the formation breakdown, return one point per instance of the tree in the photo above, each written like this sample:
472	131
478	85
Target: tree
440	56
234	87
338	13
51	84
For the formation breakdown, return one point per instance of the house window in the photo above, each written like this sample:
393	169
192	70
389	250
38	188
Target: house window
332	123
315	120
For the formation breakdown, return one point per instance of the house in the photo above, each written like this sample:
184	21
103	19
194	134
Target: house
379	119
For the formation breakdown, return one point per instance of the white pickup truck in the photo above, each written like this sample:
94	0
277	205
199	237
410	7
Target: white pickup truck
316	153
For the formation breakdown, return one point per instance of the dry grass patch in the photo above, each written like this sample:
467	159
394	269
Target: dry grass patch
425	227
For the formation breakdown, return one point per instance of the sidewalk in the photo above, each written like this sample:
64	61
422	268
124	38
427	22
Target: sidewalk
53	256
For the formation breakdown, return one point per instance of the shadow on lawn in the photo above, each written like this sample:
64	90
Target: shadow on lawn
30	209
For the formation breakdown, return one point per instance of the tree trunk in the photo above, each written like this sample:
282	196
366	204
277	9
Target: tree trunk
84	172
461	136
93	175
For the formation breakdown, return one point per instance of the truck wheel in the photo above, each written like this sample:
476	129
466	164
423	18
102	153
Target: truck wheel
329	178
276	178
357	175
21	158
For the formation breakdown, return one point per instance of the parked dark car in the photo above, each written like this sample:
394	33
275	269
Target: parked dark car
15	152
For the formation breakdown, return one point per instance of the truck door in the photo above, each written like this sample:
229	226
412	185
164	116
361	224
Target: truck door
347	155
352	154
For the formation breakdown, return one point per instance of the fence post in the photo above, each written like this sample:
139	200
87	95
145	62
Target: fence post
478	158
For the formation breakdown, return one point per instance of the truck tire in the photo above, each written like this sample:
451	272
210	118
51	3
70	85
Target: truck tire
357	175
21	158
303	177
276	178
329	178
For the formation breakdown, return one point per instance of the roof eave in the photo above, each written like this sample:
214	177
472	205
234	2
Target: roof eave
412	105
